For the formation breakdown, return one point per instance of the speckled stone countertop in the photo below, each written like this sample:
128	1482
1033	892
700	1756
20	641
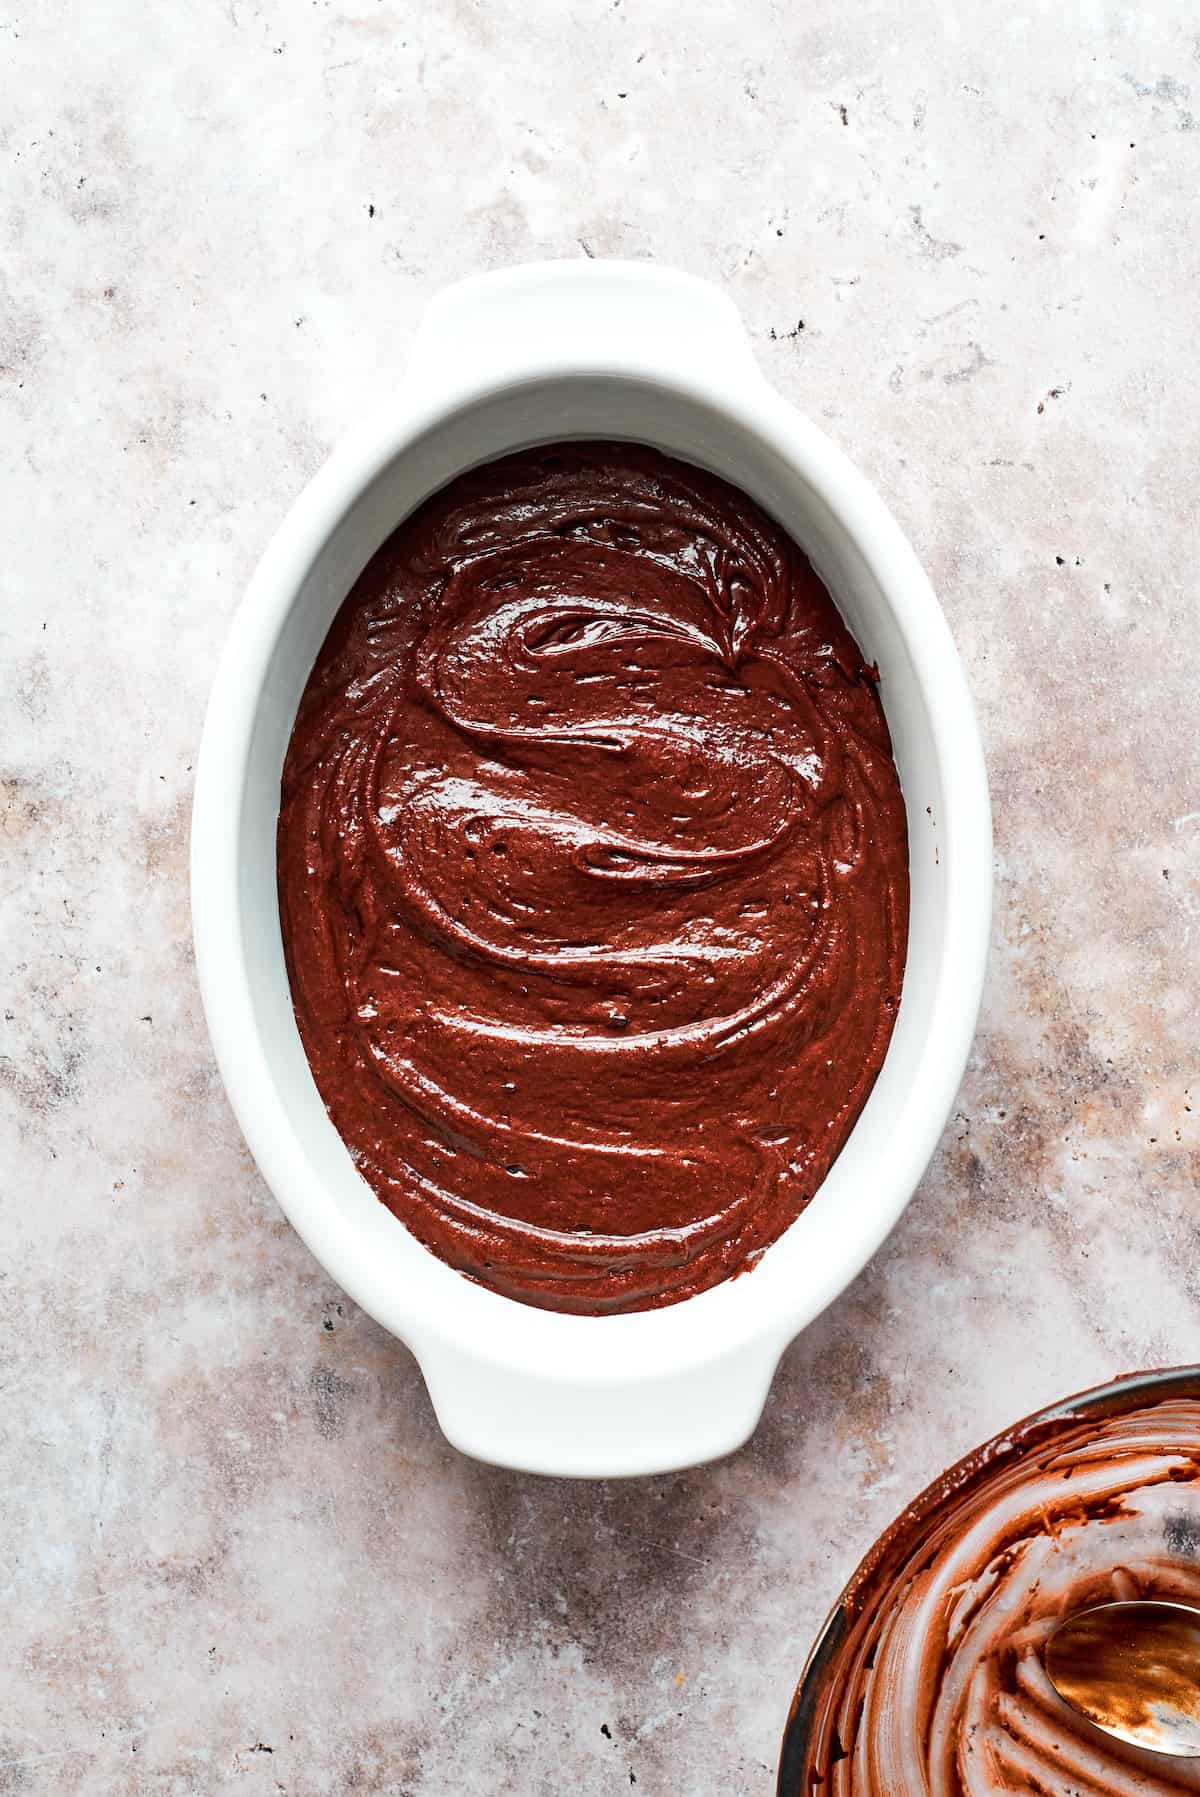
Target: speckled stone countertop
237	1555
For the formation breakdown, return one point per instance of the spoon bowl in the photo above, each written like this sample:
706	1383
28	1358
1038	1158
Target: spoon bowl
1133	1669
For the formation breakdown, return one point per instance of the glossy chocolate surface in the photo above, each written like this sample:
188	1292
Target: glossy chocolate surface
593	877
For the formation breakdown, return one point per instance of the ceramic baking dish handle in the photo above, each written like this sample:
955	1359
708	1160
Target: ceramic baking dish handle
578	317
597	1427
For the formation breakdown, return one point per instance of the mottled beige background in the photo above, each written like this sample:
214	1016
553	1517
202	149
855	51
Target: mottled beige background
237	1556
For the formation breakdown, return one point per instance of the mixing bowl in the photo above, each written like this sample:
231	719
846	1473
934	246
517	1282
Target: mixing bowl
949	1576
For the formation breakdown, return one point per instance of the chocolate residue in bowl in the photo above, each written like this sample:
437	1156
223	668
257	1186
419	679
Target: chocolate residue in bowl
931	1676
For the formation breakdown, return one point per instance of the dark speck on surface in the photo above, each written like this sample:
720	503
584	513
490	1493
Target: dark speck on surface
1183	1536
331	1399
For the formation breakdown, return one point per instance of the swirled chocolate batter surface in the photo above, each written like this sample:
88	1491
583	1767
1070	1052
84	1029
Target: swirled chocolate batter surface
939	1685
593	877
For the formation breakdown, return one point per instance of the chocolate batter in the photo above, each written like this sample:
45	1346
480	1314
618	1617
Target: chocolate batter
593	877
938	1685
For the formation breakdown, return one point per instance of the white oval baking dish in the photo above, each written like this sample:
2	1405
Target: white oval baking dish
527	355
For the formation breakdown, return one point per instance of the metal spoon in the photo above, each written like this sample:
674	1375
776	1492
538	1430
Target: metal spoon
1134	1670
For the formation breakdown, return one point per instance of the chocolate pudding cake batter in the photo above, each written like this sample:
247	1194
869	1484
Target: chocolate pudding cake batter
593	877
938	1688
